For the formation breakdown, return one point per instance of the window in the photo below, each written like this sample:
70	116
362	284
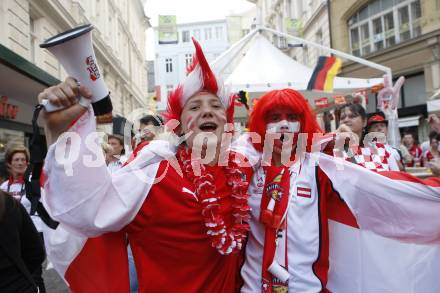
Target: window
416	14
378	33
319	40
282	43
185	36
390	38
365	38
188	59
414	90
289	8
219	33
403	15
196	33
169	89
208	33
169	65
382	24
354	36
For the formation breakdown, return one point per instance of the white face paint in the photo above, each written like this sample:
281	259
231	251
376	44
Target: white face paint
283	126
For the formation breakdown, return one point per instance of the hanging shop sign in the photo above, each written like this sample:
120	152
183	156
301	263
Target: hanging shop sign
321	103
7	111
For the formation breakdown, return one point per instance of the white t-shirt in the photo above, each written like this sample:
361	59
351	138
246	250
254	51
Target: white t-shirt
17	190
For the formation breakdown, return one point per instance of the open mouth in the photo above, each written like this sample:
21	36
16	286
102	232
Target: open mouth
208	126
285	136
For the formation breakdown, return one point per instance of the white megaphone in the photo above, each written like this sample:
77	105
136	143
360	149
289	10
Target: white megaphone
74	50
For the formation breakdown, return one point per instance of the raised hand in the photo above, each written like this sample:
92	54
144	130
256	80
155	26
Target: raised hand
434	122
389	95
64	94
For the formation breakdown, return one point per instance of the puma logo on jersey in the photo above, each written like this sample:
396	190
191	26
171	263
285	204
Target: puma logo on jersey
186	190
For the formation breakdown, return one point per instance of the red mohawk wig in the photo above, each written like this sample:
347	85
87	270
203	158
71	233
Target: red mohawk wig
286	98
199	78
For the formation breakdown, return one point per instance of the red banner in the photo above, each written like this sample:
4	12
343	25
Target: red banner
321	102
7	111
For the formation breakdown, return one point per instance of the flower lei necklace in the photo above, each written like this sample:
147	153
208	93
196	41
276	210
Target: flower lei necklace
226	238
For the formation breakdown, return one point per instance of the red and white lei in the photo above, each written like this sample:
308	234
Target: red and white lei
225	237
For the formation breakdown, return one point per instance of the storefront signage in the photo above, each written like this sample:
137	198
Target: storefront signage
321	103
7	111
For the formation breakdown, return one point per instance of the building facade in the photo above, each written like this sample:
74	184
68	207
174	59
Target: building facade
171	60
401	34
302	18
241	24
26	69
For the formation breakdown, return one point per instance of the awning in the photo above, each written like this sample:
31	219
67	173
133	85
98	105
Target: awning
435	95
21	82
433	106
409	121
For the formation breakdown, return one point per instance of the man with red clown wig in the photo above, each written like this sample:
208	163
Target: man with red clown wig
294	194
185	216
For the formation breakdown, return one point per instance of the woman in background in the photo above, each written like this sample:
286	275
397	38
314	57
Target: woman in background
354	117
433	153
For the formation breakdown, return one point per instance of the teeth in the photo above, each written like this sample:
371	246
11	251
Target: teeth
208	125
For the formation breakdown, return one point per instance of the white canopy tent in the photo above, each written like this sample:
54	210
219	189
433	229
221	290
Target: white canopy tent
264	67
253	64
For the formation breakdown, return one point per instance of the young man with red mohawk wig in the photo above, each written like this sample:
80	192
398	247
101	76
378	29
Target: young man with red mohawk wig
185	219
292	198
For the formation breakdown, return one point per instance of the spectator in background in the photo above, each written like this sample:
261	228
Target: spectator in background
433	154
17	160
406	157
414	150
21	249
426	145
434	122
108	152
377	123
149	127
354	117
117	156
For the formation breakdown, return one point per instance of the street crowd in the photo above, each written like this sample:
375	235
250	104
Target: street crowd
212	212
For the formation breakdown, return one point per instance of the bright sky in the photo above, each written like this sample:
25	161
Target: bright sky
190	11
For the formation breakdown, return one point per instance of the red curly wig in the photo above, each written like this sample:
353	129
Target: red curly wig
286	98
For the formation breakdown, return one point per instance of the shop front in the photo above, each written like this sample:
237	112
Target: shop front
21	81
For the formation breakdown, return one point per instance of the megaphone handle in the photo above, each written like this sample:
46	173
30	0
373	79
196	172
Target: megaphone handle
49	107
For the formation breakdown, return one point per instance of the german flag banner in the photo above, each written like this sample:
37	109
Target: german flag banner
324	73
